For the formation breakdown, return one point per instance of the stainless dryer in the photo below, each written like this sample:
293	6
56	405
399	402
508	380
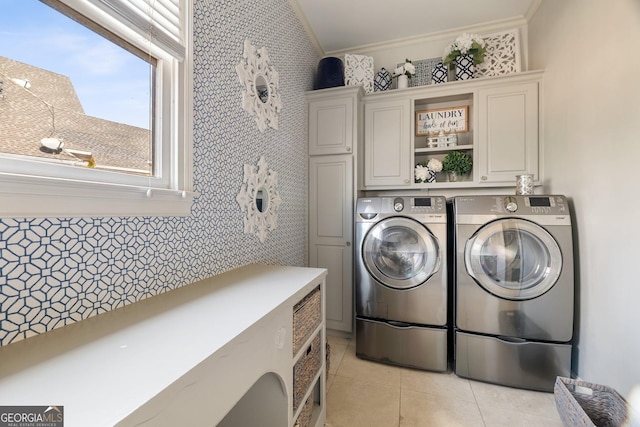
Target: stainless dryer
514	289
401	281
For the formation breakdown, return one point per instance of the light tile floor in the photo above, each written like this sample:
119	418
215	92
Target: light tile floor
361	393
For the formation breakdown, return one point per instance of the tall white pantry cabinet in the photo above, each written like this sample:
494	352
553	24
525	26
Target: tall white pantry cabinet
335	158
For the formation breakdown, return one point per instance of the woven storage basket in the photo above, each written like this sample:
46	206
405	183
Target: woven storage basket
307	315
304	418
305	370
328	360
581	403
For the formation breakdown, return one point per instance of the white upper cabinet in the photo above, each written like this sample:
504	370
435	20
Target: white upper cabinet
501	132
387	143
508	137
331	124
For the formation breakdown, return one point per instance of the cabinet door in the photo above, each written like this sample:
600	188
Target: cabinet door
330	233
387	144
331	126
508	140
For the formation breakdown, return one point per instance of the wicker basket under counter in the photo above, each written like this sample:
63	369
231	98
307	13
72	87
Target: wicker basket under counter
307	316
304	418
305	370
581	403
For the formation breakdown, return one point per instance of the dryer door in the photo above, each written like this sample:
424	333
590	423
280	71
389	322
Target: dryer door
513	259
400	253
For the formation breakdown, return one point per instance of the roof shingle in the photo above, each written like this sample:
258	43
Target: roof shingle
28	115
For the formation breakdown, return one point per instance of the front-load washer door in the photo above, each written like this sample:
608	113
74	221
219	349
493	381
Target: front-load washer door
400	253
513	258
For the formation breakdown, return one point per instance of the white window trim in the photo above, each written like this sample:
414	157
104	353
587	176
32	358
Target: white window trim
24	194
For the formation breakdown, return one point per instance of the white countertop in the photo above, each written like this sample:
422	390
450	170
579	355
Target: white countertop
103	368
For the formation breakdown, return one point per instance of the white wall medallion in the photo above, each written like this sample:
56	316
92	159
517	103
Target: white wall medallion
502	56
260	97
259	199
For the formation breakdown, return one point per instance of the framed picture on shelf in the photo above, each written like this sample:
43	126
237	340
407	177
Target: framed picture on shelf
447	120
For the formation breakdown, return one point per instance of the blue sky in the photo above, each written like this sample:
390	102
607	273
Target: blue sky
111	83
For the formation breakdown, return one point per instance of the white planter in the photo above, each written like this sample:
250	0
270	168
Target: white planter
403	82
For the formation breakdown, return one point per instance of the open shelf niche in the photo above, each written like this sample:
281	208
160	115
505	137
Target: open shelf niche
465	142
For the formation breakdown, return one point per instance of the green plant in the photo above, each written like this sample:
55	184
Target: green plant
457	161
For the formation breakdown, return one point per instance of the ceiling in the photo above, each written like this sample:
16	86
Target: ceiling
340	25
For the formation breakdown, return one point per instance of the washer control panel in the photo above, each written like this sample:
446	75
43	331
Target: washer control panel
369	208
428	204
398	204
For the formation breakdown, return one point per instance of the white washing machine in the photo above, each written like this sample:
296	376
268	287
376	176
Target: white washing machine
401	281
514	289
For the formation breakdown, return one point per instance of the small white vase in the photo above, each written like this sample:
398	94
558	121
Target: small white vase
403	81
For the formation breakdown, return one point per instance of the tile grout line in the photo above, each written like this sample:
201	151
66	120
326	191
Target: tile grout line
400	404
400	399
342	358
475	398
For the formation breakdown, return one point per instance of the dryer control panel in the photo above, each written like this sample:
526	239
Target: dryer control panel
413	205
512	205
532	205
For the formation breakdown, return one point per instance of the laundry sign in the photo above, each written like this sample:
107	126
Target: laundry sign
454	119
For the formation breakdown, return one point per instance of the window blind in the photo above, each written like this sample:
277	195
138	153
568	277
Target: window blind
161	20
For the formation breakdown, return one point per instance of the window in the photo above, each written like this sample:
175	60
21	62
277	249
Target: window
61	155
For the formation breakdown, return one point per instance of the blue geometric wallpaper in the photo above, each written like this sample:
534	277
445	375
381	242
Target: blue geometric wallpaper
56	271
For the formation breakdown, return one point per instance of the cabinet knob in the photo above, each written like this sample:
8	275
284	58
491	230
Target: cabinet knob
484	178
348	149
348	243
406	181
